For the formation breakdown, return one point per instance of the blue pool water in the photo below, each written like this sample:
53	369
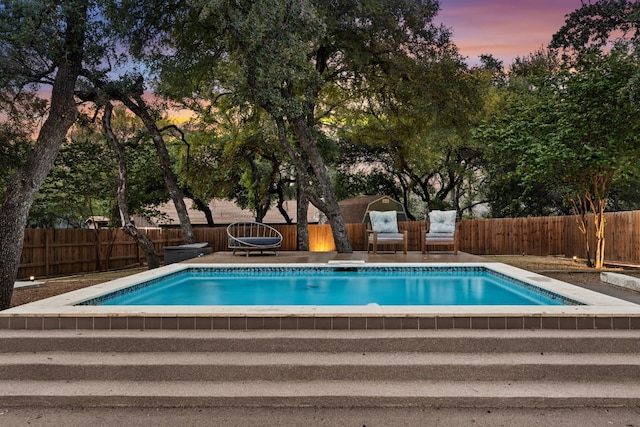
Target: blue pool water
333	286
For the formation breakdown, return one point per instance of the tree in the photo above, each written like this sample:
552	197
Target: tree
234	154
80	184
283	57
40	43
15	134
588	34
419	134
600	121
597	25
129	92
272	43
580	133
362	170
142	239
350	50
512	113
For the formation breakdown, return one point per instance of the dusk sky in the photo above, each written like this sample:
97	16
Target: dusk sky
505	28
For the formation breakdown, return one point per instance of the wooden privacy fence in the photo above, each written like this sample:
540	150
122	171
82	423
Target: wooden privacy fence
49	253
553	236
53	252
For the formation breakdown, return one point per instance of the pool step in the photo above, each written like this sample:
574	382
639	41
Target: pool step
312	368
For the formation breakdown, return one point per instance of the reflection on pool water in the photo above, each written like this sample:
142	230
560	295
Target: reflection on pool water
333	286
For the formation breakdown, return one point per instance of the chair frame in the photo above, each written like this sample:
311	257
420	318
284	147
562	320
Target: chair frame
424	232
373	242
246	236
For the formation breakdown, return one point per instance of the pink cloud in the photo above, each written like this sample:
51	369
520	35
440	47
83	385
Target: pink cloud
506	29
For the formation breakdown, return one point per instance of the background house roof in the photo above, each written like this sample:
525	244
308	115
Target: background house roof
353	211
224	212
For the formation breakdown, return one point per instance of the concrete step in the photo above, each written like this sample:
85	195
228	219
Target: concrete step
453	341
319	366
323	369
337	394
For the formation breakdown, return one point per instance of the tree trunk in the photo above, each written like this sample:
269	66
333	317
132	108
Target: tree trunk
599	223
140	109
280	204
330	203
580	211
302	226
153	260
204	208
25	182
201	205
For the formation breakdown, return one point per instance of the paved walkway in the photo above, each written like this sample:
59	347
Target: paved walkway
614	291
277	417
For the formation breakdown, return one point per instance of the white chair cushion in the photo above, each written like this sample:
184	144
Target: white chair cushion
384	222
442	221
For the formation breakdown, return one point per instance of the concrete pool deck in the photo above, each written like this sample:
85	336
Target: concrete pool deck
602	311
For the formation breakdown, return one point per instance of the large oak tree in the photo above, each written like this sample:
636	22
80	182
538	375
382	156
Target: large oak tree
285	57
41	43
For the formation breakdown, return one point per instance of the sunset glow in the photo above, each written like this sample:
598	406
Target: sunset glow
504	28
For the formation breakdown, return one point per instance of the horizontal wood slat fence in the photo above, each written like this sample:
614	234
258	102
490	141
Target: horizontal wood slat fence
49	253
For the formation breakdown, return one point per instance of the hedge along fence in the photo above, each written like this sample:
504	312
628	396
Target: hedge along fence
49	253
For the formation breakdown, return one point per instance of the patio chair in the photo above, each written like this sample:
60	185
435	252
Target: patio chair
253	236
382	230
442	231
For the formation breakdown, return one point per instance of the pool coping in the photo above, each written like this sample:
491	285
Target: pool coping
602	311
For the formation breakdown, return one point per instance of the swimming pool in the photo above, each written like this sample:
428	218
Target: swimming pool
70	310
333	285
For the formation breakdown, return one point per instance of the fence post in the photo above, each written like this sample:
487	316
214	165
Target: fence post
99	250
46	253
